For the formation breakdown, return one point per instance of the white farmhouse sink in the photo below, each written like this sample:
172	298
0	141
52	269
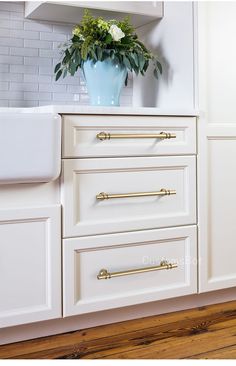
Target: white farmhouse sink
30	147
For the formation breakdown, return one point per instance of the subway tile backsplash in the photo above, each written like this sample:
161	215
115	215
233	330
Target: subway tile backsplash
28	53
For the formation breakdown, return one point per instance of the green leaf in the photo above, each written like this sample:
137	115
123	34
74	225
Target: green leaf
64	73
126	79
155	73
108	39
58	75
141	62
158	64
127	63
136	60
99	53
57	67
73	69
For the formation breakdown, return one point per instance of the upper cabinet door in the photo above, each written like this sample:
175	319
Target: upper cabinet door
140	12
217	146
30	265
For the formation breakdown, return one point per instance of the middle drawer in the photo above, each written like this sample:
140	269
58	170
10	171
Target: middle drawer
102	196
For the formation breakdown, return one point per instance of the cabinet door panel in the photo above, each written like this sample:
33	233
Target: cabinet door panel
83	180
30	252
217	217
84	258
217	147
80	131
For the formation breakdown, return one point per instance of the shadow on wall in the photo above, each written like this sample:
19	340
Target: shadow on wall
149	91
150	85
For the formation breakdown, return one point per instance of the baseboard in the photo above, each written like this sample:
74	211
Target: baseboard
57	326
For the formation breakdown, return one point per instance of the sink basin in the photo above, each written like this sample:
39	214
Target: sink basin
30	147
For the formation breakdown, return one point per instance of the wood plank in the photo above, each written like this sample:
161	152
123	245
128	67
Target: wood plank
168	335
228	352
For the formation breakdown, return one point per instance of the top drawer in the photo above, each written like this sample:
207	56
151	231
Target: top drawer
147	135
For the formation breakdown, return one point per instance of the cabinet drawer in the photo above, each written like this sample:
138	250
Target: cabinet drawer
84	179
85	257
80	136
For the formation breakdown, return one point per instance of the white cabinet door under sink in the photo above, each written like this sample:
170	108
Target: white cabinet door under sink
30	265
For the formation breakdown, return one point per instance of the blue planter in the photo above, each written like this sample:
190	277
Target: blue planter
104	80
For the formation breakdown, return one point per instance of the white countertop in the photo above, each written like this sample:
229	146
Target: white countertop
78	109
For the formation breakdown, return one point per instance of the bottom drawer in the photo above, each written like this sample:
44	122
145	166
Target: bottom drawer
84	258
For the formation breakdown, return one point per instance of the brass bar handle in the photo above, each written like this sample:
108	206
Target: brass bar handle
163	192
105	275
108	136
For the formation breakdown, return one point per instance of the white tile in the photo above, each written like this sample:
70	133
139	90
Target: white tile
23	86
23	69
53	36
46	70
63	97
59	45
4	68
23	51
84	98
11	77
50	53
71	80
4	32
10	95
23	103
37	78
37	96
52	88
16	16
37	26
11	60
4	14
40	61
11	24
77	89
24	34
65	29
3	85
37	44
12	6
12	42
4	50
4	103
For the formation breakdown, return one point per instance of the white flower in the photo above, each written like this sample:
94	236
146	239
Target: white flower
116	32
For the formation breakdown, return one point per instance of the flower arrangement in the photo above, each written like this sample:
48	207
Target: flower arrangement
97	39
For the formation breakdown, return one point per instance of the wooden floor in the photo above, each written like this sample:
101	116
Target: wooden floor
201	333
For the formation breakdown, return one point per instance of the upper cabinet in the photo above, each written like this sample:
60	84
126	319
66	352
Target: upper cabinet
140	12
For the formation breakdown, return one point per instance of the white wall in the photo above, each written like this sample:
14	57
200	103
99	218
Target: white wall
172	38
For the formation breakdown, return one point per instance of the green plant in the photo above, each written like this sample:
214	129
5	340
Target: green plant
97	39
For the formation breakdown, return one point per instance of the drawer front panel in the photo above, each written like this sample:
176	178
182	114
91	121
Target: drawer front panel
83	180
85	257
79	136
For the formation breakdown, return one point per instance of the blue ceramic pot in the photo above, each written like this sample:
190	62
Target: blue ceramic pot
104	80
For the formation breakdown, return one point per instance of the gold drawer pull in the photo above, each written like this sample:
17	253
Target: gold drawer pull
108	136
104	274
162	192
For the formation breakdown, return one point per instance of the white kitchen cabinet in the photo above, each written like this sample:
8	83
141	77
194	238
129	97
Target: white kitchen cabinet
84	258
84	179
140	12
81	135
30	265
217	146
